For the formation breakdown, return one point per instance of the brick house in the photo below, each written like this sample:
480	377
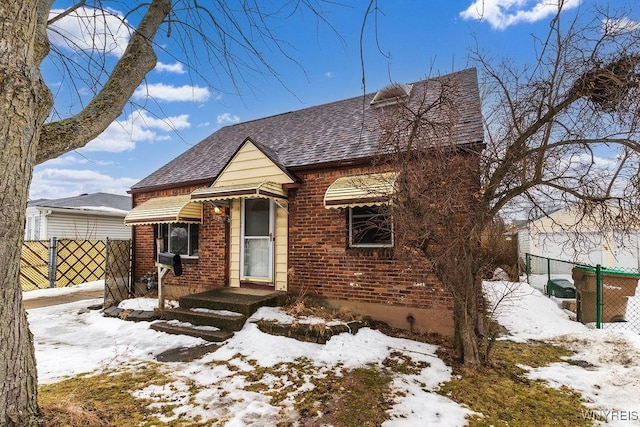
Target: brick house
282	202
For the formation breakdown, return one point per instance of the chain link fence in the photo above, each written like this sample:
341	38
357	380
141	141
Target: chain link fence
597	296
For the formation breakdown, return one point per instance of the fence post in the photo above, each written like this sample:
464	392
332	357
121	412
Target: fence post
527	265
106	259
53	260
598	296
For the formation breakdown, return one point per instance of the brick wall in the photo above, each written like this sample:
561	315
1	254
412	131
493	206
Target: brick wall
206	272
321	263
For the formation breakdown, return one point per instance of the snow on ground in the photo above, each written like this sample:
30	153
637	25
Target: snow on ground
98	285
605	368
70	339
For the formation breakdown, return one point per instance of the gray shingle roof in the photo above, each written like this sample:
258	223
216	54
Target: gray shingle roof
87	201
339	131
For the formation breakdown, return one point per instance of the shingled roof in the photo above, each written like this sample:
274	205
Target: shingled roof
337	132
95	201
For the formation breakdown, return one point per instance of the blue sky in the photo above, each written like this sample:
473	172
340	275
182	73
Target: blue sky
176	107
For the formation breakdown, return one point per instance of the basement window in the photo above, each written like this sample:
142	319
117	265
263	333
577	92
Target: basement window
370	227
179	238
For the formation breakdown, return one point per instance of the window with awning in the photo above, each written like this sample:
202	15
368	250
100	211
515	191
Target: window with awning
361	190
169	209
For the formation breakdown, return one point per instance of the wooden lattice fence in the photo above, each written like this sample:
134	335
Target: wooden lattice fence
118	270
61	263
34	265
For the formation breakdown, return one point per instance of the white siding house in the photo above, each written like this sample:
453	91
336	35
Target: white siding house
557	236
95	216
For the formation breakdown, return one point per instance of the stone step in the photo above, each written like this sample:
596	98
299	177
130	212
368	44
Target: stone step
226	320
209	334
244	301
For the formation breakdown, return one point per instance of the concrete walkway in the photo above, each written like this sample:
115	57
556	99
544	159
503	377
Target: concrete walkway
62	299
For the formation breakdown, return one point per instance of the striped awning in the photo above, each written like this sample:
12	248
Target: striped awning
265	189
168	209
360	190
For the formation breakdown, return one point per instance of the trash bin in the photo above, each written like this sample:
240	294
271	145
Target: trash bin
561	288
617	287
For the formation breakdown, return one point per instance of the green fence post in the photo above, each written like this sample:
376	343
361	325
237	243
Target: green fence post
548	276
598	296
527	266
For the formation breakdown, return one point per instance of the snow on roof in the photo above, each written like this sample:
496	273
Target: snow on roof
105	202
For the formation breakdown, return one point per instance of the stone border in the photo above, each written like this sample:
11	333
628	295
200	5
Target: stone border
316	333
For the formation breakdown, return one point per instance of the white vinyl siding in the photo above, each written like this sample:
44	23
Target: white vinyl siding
90	227
248	166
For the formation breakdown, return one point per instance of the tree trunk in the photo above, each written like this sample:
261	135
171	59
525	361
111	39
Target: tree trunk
457	267
466	320
25	103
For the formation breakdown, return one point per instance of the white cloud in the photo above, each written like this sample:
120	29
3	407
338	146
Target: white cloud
90	29
204	125
227	119
169	93
501	14
50	183
620	26
74	160
328	74
176	67
122	135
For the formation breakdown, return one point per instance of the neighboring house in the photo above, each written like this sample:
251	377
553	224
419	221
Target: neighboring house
277	203
94	216
556	236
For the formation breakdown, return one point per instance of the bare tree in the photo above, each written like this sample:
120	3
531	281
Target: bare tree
563	129
230	38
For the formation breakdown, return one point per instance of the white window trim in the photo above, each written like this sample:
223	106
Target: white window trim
367	245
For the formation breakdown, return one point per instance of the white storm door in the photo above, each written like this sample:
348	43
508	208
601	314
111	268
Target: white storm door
256	259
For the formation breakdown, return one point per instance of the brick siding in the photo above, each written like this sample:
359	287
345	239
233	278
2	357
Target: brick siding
320	263
206	272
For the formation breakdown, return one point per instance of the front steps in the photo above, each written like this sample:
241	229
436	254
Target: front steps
215	315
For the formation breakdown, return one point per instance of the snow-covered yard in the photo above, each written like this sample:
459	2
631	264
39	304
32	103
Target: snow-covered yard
70	339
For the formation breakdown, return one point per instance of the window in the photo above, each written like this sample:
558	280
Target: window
179	238
370	226
32	228
29	229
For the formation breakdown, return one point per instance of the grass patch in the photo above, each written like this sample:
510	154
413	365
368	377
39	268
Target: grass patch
507	397
358	397
104	399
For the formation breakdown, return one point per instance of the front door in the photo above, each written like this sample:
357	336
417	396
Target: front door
257	240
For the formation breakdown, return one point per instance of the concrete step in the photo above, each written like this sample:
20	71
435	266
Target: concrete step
240	300
180	328
226	320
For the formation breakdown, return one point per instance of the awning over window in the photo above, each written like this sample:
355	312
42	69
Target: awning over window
266	189
165	210
360	190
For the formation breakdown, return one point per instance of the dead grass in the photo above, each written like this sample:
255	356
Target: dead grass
507	398
101	400
326	395
305	306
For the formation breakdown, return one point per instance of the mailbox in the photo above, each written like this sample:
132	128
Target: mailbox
172	261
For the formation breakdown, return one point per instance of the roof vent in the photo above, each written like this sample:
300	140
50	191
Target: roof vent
393	94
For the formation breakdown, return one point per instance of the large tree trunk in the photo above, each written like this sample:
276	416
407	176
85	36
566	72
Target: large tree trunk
24	105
